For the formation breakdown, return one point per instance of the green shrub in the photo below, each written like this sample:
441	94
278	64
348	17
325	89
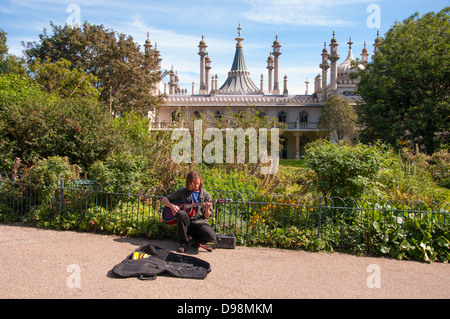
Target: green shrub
122	169
343	170
47	174
223	180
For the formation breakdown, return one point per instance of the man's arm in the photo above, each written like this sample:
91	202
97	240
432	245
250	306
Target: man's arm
167	203
208	206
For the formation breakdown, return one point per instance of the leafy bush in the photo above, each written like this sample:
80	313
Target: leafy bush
47	174
223	180
343	170
408	176
122	169
79	129
375	172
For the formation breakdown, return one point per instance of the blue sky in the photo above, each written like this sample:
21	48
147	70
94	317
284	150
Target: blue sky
177	26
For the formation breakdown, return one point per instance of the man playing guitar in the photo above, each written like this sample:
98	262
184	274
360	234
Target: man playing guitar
196	226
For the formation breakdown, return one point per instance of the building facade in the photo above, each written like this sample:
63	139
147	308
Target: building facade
298	113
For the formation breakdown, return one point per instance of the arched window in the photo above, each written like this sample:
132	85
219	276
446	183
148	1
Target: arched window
303	117
282	116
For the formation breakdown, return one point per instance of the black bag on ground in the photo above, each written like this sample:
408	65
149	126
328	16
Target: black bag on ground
159	261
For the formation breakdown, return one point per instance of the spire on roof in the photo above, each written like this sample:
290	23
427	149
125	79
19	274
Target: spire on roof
239	81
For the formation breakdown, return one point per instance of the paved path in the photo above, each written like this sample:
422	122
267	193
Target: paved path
36	263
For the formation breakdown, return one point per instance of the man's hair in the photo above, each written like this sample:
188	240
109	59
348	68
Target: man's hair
191	177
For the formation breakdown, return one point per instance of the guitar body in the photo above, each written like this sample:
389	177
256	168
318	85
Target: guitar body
169	217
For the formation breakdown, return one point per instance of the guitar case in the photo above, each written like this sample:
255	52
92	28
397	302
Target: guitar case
159	261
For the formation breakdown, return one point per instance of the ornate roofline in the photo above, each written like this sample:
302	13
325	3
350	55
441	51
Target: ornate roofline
241	100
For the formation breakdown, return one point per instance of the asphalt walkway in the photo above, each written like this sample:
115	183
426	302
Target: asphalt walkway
38	263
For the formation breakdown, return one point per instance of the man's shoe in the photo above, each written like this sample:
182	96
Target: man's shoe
182	248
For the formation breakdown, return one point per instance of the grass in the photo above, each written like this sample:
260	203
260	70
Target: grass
292	163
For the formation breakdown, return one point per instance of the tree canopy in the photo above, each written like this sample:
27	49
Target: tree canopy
338	117
405	90
124	75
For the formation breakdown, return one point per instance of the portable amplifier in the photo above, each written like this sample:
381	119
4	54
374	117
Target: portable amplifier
225	241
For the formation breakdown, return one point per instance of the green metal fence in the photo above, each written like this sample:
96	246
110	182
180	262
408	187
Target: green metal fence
269	219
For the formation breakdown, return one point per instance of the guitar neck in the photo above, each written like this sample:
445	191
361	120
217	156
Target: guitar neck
197	204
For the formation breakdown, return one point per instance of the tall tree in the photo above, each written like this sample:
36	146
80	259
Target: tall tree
405	90
3	47
8	62
57	77
338	117
125	75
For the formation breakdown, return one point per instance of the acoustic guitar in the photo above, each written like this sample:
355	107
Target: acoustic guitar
189	207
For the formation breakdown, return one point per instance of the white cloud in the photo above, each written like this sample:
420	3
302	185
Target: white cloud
300	12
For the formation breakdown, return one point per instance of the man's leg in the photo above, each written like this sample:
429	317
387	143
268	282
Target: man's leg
183	228
202	233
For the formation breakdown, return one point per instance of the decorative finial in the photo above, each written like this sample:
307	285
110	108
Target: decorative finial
350	43
239	39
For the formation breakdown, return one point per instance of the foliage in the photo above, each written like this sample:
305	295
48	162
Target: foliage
375	172
77	128
338	117
124	75
59	78
229	180
405	89
15	88
122	169
3	46
143	154
414	177
343	170
9	64
47	175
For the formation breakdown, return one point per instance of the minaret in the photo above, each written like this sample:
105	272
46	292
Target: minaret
207	68
202	52
285	89
148	46
307	86
177	87
172	84
276	53
364	55
270	68
333	58
213	84
157	56
324	66
262	84
376	44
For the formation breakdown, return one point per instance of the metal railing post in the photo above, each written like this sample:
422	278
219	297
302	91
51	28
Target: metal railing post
61	198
